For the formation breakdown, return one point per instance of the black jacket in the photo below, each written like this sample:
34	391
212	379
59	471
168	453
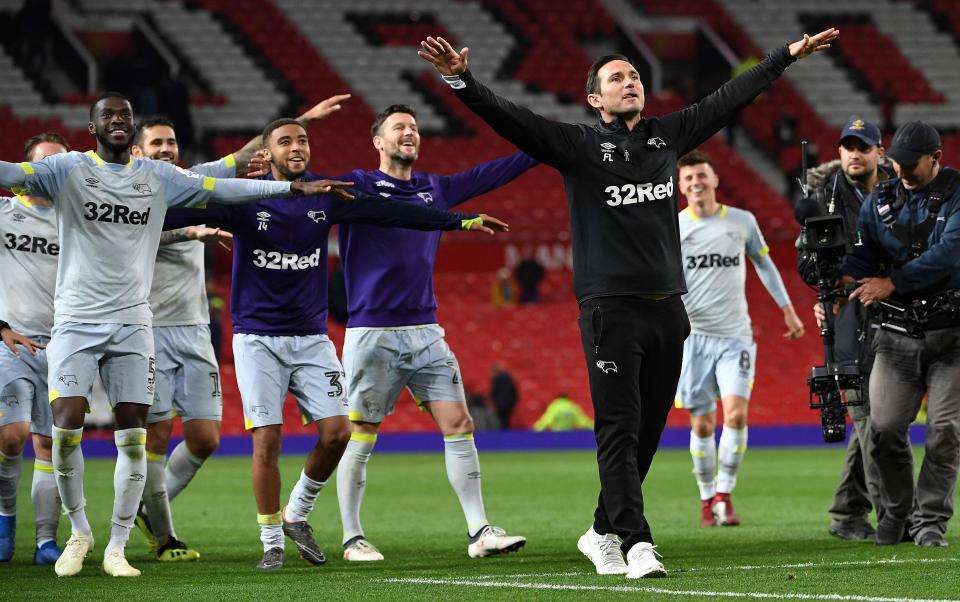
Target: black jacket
622	185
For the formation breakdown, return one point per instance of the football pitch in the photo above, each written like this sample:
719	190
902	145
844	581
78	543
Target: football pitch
781	551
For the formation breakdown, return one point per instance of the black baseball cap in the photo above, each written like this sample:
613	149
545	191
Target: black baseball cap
913	140
863	130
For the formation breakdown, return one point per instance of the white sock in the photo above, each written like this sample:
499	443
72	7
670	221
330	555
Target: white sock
68	471
181	468
733	445
9	481
302	498
128	482
352	482
155	500
46	501
703	450
463	471
271	530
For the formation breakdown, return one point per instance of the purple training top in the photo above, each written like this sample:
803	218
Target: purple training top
280	252
388	272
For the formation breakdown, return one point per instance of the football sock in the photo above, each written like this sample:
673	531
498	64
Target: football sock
9	480
352	481
155	500
68	471
733	445
463	471
271	530
181	468
302	498
128	482
703	450
46	501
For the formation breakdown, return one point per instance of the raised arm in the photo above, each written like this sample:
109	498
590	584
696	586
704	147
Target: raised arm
485	177
547	141
698	122
322	109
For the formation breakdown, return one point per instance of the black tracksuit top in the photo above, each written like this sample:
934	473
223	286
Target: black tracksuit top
622	185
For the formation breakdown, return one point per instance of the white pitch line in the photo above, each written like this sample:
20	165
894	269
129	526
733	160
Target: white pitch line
747	567
805	565
658	590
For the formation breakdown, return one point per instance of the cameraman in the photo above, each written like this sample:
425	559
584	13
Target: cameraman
910	231
839	187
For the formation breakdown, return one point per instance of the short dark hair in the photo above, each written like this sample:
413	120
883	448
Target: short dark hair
593	79
149	122
106	95
33	141
694	158
384	114
278	123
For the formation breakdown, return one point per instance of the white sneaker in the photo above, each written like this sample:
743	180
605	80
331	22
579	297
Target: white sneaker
115	564
71	560
603	551
494	540
642	562
361	550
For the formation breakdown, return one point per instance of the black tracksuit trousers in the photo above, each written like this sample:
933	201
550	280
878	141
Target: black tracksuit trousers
634	350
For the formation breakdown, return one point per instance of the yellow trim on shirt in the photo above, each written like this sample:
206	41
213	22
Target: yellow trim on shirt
230	160
96	158
27	168
723	210
691	214
764	251
209	183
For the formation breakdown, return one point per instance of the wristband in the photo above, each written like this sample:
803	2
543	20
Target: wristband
454	81
466	224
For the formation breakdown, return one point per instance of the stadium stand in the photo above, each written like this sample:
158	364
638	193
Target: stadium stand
259	60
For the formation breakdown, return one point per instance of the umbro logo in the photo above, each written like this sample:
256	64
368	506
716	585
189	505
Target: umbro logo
426	196
143	188
607	367
385	184
91	182
263	220
317	216
19	217
607	149
656	142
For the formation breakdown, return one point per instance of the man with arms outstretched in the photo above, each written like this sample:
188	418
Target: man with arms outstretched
393	339
628	278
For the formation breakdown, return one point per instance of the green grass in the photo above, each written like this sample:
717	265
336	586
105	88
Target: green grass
413	517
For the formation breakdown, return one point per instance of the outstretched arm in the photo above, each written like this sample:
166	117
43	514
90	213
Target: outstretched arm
485	177
547	141
693	125
373	209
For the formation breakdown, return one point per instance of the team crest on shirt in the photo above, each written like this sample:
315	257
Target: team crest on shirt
426	196
607	367
143	188
656	142
317	216
68	379
263	220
